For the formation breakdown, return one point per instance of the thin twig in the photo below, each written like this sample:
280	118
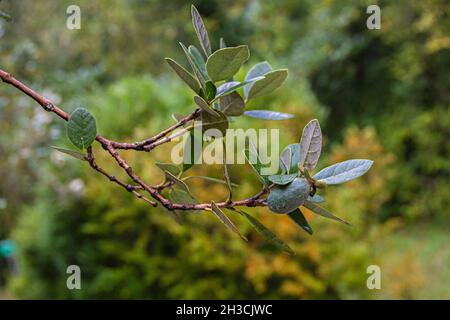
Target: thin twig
130	188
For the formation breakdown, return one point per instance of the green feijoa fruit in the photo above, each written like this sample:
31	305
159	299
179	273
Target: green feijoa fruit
284	199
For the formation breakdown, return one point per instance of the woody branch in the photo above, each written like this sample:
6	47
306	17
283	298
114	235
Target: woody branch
145	145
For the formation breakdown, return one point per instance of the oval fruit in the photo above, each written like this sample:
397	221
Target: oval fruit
284	199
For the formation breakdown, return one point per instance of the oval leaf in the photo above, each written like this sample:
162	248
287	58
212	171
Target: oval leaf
266	233
224	63
173	169
268	115
322	212
310	145
210	90
272	80
282	179
225	220
232	105
258	70
294	150
198	60
232	86
184	75
298	217
74	154
343	171
217	121
182	197
194	67
285	160
204	105
200	30
81	128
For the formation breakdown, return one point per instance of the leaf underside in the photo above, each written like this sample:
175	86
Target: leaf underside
310	145
343	171
268	115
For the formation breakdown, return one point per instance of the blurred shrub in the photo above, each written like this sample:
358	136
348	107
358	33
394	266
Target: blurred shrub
423	163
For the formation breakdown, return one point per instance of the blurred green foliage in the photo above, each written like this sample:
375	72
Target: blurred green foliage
379	94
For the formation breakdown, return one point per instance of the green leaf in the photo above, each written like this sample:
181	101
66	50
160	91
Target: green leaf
217	121
232	105
272	80
204	106
231	86
282	179
284	199
224	63
200	30
176	181
268	115
187	77
316	198
322	212
310	145
298	217
194	67
253	159
210	179
343	171
198	60
285	160
173	169
294	150
210	90
225	220
182	197
74	154
266	233
81	128
258	70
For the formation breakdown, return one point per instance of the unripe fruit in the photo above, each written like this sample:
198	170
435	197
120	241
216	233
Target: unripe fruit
284	199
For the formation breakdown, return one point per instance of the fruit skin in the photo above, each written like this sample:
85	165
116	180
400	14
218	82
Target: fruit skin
284	199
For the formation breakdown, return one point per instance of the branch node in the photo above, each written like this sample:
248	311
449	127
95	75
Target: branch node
49	107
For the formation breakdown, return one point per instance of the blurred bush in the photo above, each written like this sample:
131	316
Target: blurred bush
382	95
